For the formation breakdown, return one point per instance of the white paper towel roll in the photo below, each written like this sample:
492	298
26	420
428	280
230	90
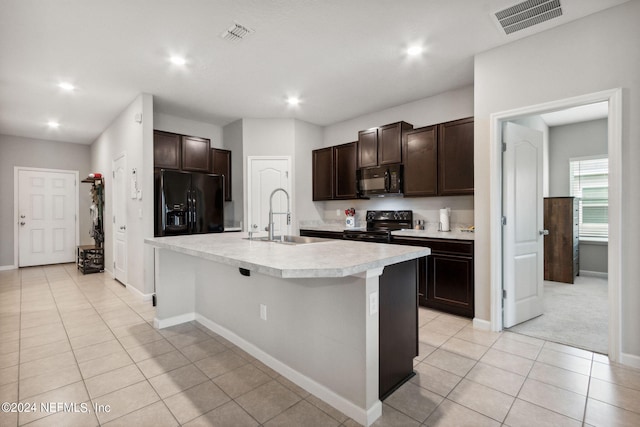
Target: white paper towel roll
444	219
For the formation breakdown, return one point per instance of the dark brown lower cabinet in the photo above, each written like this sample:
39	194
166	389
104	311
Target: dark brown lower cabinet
445	278
398	330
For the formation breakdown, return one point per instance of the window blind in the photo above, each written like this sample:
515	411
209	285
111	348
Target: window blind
589	183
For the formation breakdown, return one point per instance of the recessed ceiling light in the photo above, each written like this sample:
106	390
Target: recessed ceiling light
293	100
53	124
415	50
66	86
178	60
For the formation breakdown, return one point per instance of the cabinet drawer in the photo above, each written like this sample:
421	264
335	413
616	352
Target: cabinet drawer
458	247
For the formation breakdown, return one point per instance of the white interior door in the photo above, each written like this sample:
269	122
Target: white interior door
120	219
47	211
267	174
523	276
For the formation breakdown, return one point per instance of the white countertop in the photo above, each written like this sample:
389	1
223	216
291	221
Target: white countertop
454	234
330	258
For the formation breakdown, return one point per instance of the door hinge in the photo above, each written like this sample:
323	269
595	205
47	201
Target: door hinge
504	147
114	265
504	220
504	293
114	219
113	173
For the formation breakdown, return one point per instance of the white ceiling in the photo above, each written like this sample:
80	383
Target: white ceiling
342	58
583	113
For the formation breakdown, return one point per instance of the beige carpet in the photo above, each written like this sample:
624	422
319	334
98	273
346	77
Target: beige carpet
576	315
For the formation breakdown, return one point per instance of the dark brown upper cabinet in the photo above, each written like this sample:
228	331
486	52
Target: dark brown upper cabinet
420	152
221	165
345	159
368	148
166	150
195	154
322	170
382	145
455	157
390	142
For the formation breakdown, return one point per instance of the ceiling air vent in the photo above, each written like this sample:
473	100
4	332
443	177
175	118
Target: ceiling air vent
526	14
236	32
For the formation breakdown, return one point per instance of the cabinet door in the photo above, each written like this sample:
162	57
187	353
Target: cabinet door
166	150
322	170
346	163
450	284
390	142
368	148
195	154
455	157
221	165
421	162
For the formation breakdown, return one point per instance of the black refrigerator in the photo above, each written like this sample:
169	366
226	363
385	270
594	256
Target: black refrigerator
188	203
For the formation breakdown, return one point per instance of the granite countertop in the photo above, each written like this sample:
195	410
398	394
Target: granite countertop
329	258
454	234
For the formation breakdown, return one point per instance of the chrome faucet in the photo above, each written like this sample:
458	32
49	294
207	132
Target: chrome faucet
272	213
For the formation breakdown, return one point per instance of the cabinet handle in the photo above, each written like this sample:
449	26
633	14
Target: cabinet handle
544	232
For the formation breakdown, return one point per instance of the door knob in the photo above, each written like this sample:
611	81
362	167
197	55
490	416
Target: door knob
255	226
22	216
22	223
544	232
123	227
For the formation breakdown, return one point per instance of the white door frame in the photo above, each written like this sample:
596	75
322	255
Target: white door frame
614	98
247	187
16	214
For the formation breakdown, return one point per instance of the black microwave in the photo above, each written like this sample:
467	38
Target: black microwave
380	181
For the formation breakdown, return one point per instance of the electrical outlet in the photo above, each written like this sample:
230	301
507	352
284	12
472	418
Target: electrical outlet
263	311
373	303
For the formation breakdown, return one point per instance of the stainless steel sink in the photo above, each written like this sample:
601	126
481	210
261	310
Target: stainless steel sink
290	240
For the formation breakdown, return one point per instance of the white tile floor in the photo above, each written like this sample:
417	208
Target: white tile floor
69	338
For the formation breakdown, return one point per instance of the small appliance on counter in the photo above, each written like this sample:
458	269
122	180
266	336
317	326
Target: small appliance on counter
445	216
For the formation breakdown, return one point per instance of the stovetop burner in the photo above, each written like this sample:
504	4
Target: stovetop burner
380	224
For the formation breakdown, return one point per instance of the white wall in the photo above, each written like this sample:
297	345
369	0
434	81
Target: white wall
308	137
37	153
574	140
283	137
135	140
440	108
169	123
592	54
578	140
452	105
234	210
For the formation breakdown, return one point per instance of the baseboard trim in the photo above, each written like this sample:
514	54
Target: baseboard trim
600	274
172	321
630	360
360	415
8	267
136	291
481	324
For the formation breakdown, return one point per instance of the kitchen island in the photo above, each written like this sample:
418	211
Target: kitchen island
308	311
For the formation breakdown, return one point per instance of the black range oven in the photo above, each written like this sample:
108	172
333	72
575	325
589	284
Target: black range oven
380	224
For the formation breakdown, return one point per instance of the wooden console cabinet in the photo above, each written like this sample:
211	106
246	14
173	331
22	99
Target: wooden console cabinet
561	245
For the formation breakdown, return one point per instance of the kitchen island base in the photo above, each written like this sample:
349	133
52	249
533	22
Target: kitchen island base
320	333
